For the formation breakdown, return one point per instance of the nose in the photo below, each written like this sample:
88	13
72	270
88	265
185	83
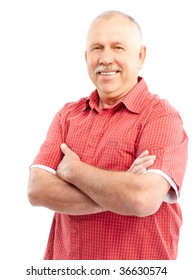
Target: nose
106	57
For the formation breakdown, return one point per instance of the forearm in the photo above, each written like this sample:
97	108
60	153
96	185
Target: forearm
123	192
106	188
47	190
120	192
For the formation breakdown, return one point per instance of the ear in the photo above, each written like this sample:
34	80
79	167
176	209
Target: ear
142	55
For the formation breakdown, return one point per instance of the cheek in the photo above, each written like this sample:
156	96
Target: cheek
91	66
133	65
92	60
90	69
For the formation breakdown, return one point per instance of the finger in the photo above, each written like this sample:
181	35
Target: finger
68	152
64	148
148	163
143	154
141	171
143	160
140	166
146	159
137	169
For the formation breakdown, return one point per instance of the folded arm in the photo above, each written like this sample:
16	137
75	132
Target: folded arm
48	190
120	192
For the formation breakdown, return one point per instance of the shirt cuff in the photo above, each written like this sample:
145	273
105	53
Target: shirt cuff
44	167
172	196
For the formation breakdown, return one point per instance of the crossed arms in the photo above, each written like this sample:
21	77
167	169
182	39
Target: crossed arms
79	188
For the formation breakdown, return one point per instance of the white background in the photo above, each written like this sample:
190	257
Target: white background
42	67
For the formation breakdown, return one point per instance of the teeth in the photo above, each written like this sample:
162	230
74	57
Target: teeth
108	73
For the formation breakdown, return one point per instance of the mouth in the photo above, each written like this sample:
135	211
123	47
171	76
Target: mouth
108	73
109	70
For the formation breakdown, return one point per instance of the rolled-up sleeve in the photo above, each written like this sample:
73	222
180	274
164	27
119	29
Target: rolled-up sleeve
165	137
50	153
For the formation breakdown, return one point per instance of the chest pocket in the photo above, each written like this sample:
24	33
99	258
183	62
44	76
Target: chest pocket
104	143
102	149
115	154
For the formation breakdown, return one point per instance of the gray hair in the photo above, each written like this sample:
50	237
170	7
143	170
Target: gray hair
112	13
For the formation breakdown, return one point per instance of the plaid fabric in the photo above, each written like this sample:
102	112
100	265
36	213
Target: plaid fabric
111	139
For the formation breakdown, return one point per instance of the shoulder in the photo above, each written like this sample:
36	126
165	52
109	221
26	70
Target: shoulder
73	107
165	106
159	107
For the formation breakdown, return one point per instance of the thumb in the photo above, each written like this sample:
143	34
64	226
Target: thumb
64	148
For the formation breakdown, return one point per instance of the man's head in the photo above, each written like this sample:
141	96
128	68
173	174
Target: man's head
114	54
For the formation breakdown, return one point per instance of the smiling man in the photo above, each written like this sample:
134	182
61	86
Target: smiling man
113	163
114	55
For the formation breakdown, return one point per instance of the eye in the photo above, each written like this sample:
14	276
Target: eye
96	48
118	48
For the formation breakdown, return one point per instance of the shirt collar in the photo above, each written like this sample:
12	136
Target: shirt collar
134	101
138	97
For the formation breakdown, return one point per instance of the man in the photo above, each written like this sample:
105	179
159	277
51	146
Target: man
106	206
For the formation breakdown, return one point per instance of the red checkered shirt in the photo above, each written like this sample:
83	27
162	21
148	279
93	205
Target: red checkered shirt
111	139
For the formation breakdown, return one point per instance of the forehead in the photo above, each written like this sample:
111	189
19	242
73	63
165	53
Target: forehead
111	29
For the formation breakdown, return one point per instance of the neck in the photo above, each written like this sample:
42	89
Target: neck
107	105
109	100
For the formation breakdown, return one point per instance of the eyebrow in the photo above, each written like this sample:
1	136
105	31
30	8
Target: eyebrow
112	43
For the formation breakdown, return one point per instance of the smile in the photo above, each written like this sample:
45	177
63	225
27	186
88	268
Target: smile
111	73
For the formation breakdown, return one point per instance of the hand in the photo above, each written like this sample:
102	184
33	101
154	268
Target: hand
68	163
141	163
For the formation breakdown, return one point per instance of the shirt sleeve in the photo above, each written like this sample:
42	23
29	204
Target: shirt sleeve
173	195
44	168
165	137
50	153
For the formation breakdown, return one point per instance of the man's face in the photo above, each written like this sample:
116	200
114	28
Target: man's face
114	56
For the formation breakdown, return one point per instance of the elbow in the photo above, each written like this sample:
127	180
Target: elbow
32	197
145	199
140	206
144	207
33	191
